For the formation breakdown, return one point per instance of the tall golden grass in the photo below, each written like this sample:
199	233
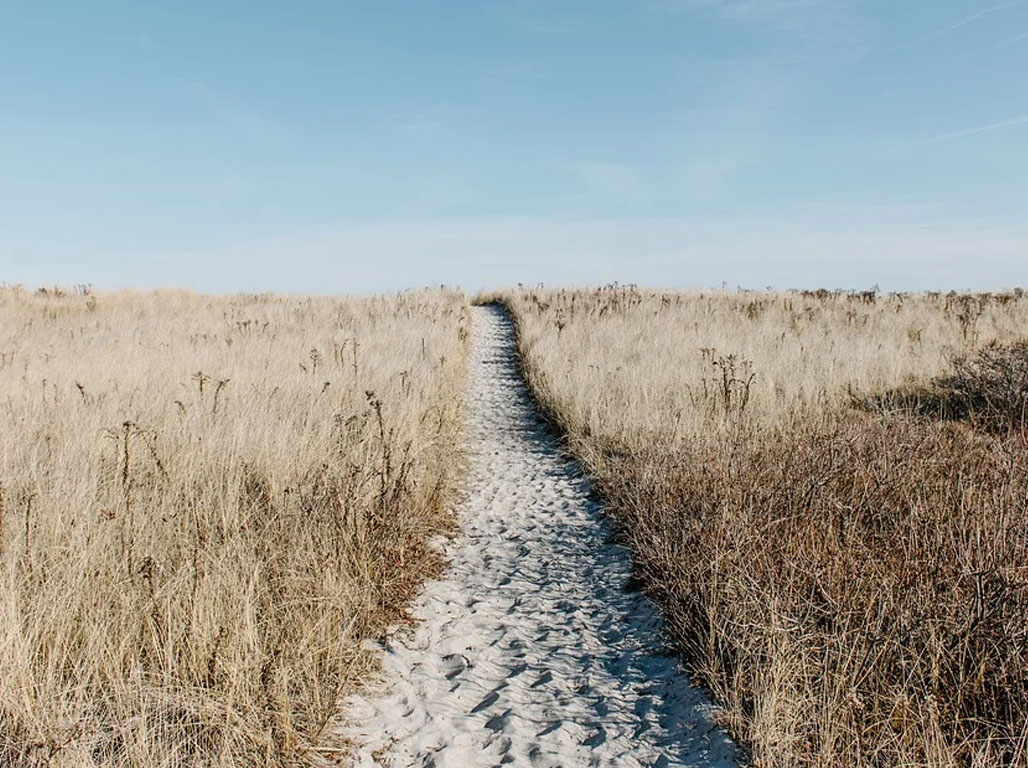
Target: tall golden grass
827	494
205	505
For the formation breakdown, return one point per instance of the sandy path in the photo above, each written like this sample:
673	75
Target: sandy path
530	652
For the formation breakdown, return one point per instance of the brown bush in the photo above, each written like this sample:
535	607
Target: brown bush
854	591
851	585
988	389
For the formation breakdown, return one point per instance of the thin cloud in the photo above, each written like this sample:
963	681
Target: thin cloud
499	77
818	26
1011	123
1011	40
144	42
428	120
970	19
233	114
782	14
745	9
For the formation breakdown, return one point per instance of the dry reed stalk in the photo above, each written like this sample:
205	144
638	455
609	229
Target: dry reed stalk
195	589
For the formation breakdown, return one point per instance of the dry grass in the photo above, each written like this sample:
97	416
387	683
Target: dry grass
841	566
205	505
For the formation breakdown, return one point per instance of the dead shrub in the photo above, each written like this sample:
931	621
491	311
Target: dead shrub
849	583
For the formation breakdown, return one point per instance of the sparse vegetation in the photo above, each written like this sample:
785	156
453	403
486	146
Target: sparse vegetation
205	505
826	492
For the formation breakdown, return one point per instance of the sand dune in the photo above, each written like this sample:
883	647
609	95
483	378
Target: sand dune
530	651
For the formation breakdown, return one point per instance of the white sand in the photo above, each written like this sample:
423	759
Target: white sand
530	652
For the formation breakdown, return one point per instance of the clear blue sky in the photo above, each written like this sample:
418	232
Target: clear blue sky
359	146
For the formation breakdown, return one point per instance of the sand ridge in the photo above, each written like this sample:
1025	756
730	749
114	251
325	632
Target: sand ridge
529	651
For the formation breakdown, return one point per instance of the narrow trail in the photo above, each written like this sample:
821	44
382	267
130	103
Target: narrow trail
530	652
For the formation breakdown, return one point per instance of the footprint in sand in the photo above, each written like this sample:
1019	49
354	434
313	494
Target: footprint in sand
557	664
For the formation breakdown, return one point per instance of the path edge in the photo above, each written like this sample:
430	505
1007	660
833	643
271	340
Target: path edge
559	430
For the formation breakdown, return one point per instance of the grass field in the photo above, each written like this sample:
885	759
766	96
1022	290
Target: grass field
205	505
826	493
